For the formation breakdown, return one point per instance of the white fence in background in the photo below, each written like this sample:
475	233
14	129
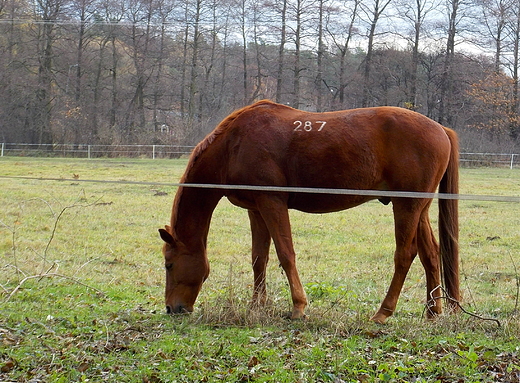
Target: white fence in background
94	151
510	160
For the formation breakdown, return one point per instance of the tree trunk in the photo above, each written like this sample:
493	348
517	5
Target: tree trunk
515	107
297	53
319	59
158	79
344	51
244	52
50	11
375	15
194	63
447	72
281	52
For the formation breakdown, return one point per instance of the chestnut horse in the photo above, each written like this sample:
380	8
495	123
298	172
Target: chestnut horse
268	144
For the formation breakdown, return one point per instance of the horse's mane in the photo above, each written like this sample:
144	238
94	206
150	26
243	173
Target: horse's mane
221	128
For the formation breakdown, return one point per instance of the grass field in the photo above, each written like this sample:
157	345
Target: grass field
81	288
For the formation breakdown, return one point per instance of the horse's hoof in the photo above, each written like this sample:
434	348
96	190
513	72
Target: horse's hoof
295	316
379	318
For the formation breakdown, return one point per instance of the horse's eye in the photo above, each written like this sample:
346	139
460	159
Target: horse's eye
168	266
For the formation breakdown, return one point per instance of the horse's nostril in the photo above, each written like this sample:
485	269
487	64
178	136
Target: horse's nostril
168	310
179	309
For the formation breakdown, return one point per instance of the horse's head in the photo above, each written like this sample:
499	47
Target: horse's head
185	273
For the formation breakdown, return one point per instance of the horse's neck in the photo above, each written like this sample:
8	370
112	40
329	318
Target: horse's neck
193	207
192	213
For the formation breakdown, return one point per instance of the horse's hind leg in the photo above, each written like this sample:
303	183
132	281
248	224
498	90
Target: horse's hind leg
429	255
406	217
261	241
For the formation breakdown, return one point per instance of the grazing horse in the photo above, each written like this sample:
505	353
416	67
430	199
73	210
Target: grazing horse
268	144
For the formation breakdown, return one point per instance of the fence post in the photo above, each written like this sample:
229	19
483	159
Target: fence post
88	152
153	152
512	161
3	143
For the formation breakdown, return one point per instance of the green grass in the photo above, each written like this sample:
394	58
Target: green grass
100	315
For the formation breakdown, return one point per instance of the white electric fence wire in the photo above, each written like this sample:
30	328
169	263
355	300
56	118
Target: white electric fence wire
290	189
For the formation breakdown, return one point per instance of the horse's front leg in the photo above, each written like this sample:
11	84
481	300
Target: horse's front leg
261	241
276	217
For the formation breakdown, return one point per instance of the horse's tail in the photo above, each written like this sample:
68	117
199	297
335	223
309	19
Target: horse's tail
449	224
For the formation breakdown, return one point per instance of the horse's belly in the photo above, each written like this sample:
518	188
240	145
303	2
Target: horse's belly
306	202
325	203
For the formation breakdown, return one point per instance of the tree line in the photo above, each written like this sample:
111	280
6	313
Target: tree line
166	71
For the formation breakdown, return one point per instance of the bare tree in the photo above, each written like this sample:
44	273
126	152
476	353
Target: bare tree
76	98
225	30
497	15
244	9
415	13
373	13
515	33
457	12
297	15
196	21
163	13
18	88
49	12
320	54
257	90
342	37
281	49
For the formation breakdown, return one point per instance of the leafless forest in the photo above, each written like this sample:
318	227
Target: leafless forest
166	71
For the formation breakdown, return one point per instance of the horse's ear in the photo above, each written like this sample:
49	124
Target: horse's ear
166	236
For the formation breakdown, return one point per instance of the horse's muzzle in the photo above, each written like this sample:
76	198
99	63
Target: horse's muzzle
178	309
